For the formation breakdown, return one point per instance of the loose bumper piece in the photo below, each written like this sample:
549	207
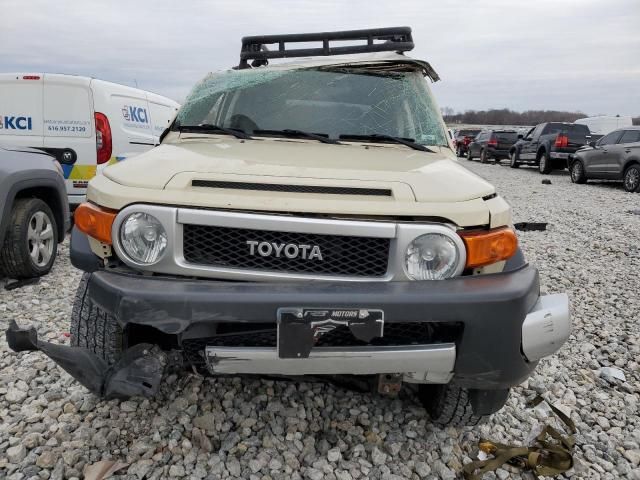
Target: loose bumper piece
137	372
546	327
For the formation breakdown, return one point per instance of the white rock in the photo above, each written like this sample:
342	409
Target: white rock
16	453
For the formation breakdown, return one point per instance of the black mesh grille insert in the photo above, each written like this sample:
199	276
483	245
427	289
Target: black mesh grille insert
271	187
341	256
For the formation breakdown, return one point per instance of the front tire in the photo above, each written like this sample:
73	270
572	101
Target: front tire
483	156
31	241
451	405
576	170
513	160
631	178
93	328
544	165
469	157
459	152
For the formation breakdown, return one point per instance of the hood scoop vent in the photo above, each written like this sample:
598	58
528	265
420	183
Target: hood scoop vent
272	187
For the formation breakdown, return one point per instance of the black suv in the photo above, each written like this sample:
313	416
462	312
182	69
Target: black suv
492	144
463	138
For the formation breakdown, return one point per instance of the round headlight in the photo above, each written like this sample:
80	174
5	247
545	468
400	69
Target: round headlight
432	256
143	238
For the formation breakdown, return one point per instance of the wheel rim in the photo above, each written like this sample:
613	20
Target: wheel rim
576	171
40	239
632	179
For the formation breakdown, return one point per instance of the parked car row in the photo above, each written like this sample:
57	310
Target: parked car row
559	145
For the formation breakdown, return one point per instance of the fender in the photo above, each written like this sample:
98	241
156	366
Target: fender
631	161
49	182
542	148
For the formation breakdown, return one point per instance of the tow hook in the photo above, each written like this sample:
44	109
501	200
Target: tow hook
138	371
389	384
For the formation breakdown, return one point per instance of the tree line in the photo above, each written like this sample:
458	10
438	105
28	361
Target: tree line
509	117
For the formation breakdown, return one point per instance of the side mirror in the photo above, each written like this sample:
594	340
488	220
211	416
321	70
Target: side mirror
520	136
592	144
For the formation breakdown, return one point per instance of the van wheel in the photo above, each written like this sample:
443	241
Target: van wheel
576	169
469	157
92	327
451	405
459	152
631	178
31	241
544	166
513	160
483	156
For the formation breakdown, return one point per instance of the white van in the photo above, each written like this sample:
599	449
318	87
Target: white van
603	124
86	123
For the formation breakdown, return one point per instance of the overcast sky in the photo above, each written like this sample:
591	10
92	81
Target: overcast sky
536	54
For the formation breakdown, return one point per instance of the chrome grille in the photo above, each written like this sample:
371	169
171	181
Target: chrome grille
341	255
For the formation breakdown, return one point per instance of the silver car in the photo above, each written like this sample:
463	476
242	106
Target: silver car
616	156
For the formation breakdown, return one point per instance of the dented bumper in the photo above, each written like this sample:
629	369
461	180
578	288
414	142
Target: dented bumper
503	327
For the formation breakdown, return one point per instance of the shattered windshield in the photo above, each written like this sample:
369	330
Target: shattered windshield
331	101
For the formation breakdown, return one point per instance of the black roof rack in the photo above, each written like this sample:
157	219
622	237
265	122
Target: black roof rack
395	39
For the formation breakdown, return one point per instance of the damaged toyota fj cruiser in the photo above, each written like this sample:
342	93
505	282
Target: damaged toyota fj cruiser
307	218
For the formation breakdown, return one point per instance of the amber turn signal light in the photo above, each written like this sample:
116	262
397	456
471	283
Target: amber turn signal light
95	221
491	246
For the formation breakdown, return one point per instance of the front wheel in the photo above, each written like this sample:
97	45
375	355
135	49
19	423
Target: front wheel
459	152
31	240
469	157
576	169
451	405
631	178
513	160
93	328
483	156
544	166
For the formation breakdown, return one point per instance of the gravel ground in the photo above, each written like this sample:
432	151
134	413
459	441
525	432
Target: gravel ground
232	427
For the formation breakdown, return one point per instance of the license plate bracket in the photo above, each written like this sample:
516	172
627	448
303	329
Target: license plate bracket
300	328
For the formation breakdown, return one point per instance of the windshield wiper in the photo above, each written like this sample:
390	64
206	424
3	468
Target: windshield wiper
287	132
208	127
409	142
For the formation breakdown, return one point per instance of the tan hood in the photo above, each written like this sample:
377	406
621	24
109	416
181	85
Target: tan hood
411	175
423	185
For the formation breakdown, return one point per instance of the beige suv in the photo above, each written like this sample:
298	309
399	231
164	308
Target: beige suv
308	218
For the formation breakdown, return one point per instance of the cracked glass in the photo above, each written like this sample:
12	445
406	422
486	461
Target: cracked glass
386	99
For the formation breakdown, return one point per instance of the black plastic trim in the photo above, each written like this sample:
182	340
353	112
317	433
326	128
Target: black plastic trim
272	187
82	256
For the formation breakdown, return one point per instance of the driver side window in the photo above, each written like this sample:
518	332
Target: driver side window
529	134
535	132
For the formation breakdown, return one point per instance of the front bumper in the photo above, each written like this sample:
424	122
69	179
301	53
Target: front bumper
506	325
